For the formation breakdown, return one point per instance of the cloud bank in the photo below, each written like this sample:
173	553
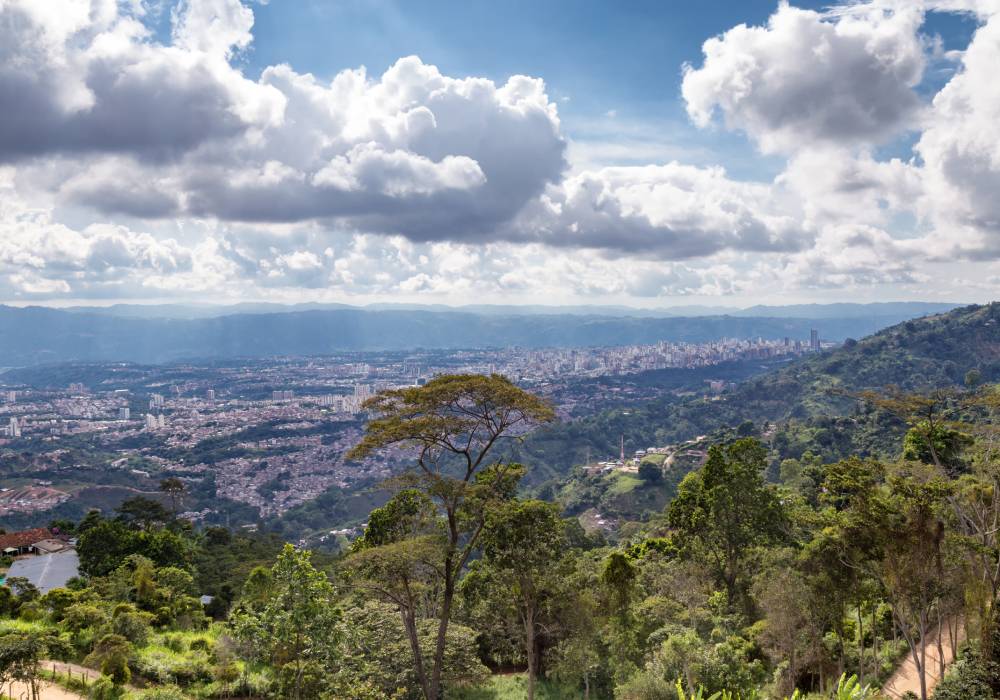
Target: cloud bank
140	165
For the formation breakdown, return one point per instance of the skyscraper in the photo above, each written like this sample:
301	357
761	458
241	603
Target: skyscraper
814	339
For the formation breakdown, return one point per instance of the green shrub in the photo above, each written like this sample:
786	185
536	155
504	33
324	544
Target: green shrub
169	692
174	642
646	686
31	612
968	679
199	644
105	689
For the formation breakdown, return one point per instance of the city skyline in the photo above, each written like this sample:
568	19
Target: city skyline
383	152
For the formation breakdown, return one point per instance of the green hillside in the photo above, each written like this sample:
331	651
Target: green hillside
810	400
807	409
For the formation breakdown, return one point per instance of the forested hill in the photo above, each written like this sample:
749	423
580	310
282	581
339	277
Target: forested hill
810	398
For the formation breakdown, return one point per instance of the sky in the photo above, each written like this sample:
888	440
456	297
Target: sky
560	152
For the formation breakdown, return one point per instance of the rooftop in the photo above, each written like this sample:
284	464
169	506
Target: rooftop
47	571
24	538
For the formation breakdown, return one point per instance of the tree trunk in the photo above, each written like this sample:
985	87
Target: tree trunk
989	619
586	686
921	656
529	644
410	625
436	691
861	648
876	656
940	646
841	649
953	635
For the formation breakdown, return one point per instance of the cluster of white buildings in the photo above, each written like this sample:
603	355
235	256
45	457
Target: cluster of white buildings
155	422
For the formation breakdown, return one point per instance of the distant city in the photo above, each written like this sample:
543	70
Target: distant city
271	434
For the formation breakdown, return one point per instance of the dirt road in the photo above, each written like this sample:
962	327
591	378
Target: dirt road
47	691
906	679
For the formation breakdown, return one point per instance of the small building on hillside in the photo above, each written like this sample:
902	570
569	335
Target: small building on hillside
51	546
23	542
47	571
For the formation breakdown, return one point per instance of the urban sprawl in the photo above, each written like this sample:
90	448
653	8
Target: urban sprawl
272	434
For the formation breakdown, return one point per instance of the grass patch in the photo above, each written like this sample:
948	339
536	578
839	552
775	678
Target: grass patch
25	627
620	483
515	687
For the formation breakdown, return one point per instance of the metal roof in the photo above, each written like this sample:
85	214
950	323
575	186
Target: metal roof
47	571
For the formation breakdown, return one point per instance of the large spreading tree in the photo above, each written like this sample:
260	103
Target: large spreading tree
455	425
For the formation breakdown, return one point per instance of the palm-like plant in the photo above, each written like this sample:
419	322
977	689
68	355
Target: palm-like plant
851	689
848	688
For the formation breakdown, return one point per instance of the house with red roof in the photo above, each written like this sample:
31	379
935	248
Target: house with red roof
23	542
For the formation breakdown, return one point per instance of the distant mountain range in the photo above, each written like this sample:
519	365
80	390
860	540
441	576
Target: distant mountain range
40	335
894	309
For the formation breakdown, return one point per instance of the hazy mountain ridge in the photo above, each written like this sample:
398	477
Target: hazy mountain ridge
38	335
836	310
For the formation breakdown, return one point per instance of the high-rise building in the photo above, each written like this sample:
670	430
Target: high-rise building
210	394
156	401
124	413
362	391
15	427
11	396
151	423
814	339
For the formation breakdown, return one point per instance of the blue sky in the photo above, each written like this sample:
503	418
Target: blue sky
596	57
160	150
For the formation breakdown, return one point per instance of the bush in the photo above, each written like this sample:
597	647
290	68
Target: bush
646	685
199	644
968	679
105	689
31	612
164	666
133	626
169	692
174	643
